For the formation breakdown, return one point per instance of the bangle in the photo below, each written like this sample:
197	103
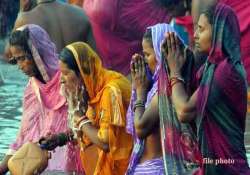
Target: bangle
81	119
175	82
138	103
83	123
176	79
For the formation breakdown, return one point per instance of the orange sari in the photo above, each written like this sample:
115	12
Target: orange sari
109	94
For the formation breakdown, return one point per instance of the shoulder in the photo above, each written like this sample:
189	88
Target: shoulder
24	18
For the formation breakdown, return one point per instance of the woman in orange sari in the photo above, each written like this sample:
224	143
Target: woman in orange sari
105	145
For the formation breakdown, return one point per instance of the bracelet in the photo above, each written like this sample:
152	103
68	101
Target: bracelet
81	119
174	78
172	83
138	103
83	123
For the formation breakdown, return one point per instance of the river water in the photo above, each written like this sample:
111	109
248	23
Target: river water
10	103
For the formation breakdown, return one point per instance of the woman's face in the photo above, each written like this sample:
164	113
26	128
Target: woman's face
69	78
149	54
203	35
27	65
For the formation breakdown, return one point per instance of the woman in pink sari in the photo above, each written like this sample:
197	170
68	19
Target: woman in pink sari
44	109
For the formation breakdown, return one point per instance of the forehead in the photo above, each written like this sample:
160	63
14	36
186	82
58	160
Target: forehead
63	65
16	50
203	20
146	44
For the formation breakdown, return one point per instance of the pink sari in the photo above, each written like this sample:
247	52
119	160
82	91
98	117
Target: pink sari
44	109
242	10
118	27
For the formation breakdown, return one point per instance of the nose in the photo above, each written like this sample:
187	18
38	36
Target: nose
196	35
20	65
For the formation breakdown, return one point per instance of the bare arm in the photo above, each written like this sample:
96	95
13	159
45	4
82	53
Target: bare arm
146	120
92	133
184	104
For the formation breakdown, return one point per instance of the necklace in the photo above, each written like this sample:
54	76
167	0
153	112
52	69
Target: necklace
44	1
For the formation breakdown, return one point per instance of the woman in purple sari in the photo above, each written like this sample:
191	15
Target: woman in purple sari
140	161
143	121
219	103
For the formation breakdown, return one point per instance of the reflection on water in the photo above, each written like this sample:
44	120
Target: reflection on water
10	103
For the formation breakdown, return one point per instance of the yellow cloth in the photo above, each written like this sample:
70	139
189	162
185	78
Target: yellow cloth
76	2
109	94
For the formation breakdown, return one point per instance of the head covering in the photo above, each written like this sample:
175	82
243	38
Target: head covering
93	74
222	79
43	51
179	145
109	94
157	32
225	44
44	109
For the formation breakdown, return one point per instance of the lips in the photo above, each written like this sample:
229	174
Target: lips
197	45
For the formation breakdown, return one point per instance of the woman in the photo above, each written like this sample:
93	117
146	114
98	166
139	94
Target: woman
219	103
108	95
143	121
242	11
44	109
145	155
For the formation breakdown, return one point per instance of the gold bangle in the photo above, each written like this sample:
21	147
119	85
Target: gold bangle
83	123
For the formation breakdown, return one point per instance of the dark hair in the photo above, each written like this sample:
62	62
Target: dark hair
20	39
209	13
67	57
171	3
148	36
167	3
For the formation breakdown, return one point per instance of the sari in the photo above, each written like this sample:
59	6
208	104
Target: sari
109	95
179	144
44	109
118	27
222	79
76	2
157	32
242	11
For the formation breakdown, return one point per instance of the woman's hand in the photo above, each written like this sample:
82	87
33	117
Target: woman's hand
173	51
139	78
